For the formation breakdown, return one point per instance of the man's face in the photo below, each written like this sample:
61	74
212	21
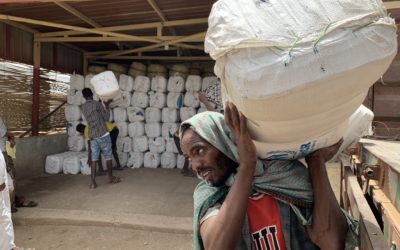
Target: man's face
206	160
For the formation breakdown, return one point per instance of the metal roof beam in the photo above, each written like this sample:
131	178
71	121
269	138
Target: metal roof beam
142	26
112	39
169	58
392	5
76	13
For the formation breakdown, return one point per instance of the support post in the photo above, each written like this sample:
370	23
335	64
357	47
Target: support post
36	88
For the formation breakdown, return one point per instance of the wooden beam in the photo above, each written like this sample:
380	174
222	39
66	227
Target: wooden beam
112	39
169	58
99	53
161	15
70	27
176	42
141	26
20	26
36	88
78	14
392	5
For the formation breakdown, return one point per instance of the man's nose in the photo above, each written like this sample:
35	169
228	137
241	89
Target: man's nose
196	163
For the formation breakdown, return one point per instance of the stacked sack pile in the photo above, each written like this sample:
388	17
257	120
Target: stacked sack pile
147	114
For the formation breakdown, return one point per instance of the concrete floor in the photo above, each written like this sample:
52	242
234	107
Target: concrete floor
149	209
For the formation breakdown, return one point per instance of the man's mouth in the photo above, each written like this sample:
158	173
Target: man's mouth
205	173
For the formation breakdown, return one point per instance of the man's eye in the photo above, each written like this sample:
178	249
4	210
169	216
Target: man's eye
200	151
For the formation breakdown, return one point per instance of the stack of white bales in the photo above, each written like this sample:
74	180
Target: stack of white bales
147	118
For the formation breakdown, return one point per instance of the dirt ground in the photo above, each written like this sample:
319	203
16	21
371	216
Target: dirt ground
88	237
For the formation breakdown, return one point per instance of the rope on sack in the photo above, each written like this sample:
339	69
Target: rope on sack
361	27
290	57
320	36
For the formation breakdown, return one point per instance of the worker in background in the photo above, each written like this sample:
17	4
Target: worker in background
247	203
96	115
8	149
114	131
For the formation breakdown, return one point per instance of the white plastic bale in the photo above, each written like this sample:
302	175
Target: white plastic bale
151	160
124	144
201	110
77	82
135	159
180	161
54	163
168	160
176	84
159	84
72	113
117	68
105	85
135	72
72	164
71	128
156	68
168	129
193	84
139	66
170	115
140	144
126	83
158	100
136	129
156	145
126	99
154	74
152	114
191	100
117	101
88	78
76	143
135	114
208	81
140	100
85	167
123	128
187	112
120	115
170	146
141	84
153	129
96	69
175	100
123	158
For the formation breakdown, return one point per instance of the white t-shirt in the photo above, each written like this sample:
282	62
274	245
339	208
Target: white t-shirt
6	225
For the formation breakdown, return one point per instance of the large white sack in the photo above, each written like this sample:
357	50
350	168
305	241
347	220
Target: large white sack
208	81
175	100
125	100
140	100
76	143
159	84
170	115
156	68
180	161
136	129
72	113
77	82
168	160
134	72
168	129
88	78
124	144
117	68
123	158
96	69
193	84
140	144
152	114
138	66
105	85
54	163
176	84
151	160
152	129
135	159
170	145
123	129
158	100
191	100
179	70
71	128
141	84
126	83
359	124
294	56
85	167
135	114
186	113
72	164
156	145
120	115
74	97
